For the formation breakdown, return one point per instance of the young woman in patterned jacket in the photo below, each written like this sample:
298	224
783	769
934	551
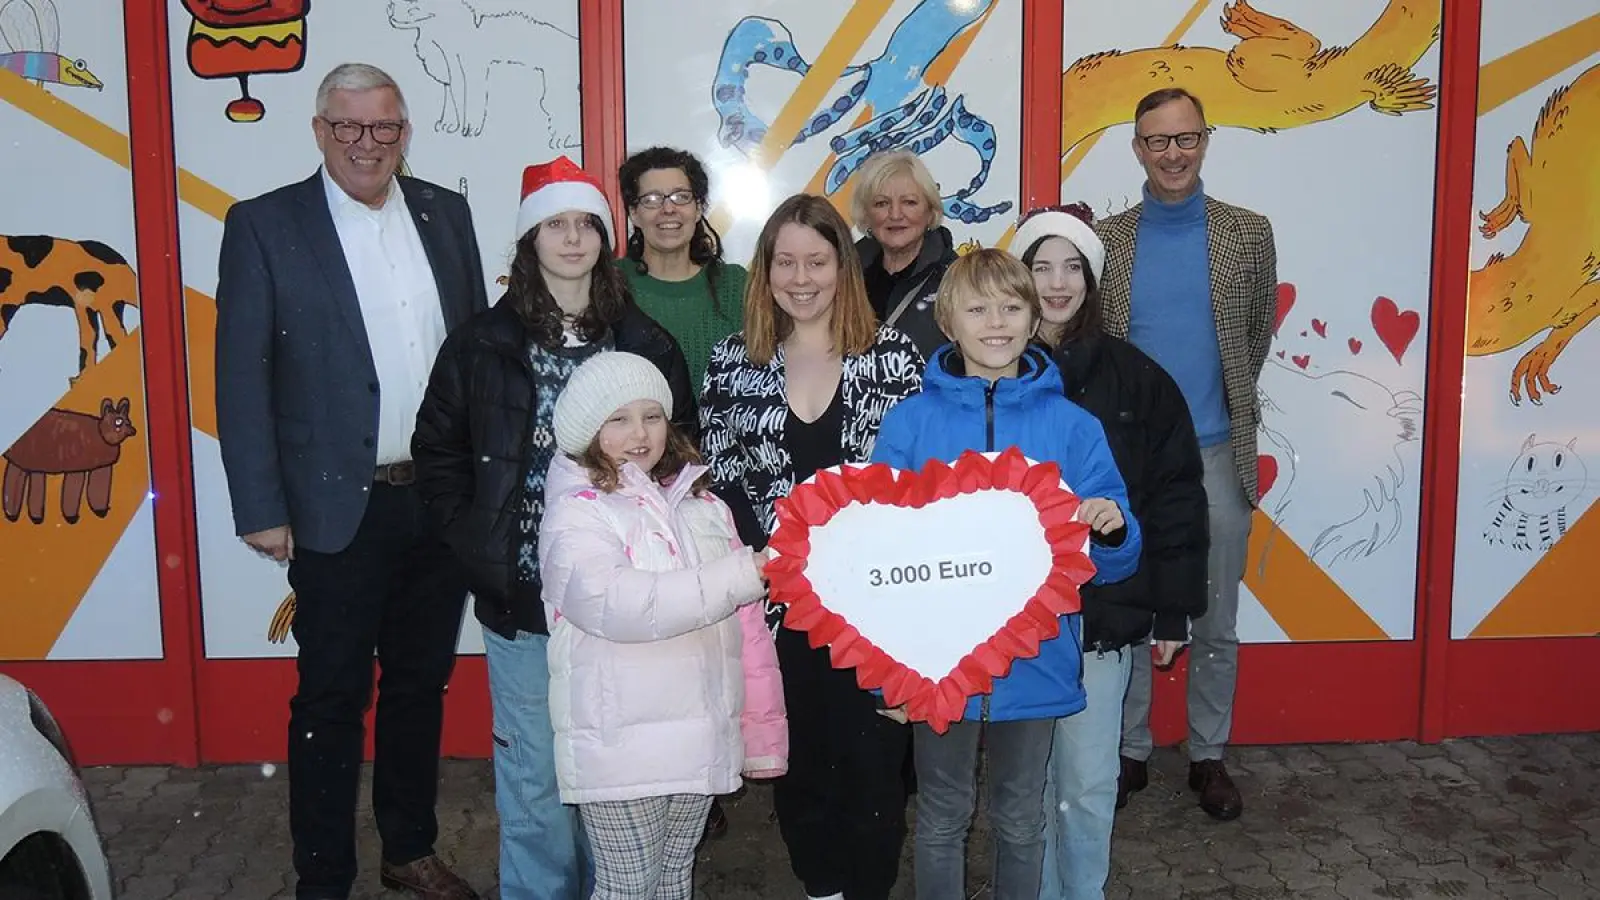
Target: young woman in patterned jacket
803	388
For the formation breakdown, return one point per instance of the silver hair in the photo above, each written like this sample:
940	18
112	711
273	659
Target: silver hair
354	76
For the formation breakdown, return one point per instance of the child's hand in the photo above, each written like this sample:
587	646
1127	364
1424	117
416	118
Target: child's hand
897	714
761	558
1101	515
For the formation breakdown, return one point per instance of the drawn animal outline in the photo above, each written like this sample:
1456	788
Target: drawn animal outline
1551	281
89	277
1278	76
30	46
81	448
1544	480
899	107
459	46
1298	411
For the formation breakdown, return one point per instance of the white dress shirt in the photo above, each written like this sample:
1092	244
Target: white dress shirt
399	306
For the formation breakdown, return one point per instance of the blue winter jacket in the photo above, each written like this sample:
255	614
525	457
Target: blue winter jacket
955	413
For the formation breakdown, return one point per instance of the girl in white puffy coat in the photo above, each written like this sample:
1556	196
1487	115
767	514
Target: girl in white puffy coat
664	683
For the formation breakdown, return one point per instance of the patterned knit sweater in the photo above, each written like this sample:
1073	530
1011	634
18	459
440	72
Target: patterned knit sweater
551	371
685	309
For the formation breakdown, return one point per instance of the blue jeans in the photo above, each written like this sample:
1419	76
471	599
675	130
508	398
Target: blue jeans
947	788
1081	786
542	856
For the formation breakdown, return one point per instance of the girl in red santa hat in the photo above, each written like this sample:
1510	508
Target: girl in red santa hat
484	442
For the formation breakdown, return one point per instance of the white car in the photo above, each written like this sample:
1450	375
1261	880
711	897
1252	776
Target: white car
49	846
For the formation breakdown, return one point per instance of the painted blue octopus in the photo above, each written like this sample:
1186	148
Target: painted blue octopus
915	117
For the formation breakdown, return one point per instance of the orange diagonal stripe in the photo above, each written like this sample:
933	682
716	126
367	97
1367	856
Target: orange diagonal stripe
1524	69
1297	593
52	564
1084	146
103	139
1558	596
846	42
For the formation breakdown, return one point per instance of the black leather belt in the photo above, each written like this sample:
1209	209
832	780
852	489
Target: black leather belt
397	474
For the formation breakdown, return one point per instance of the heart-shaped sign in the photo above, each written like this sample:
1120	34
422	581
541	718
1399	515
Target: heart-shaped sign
929	584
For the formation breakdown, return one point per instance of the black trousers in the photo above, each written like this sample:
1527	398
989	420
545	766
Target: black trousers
842	806
398	592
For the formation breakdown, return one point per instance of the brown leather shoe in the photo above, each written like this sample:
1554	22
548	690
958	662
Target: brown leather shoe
428	878
1219	797
1135	777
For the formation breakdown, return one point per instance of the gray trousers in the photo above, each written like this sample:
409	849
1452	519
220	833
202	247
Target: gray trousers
947	786
1214	637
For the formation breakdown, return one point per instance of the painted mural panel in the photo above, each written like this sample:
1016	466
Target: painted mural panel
778	98
77	538
491	86
1527	536
1325	122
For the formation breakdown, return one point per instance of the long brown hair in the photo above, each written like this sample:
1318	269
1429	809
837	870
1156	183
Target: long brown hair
1089	318
606	475
536	306
854	324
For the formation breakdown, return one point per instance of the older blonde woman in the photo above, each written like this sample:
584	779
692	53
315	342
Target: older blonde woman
906	247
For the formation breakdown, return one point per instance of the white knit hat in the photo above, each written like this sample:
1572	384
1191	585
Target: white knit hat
556	187
604	384
1055	223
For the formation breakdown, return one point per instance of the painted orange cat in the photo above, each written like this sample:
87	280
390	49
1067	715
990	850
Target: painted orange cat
87	276
1550	284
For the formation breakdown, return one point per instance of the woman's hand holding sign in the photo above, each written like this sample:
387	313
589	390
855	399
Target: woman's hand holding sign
1103	516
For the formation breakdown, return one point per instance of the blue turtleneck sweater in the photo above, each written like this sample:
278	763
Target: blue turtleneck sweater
1171	318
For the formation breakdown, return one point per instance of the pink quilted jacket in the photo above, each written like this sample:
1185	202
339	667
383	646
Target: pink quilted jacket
663	676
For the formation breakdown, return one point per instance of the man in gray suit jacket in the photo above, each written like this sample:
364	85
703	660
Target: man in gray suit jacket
333	297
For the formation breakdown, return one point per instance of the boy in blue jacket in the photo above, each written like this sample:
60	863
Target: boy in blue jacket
989	390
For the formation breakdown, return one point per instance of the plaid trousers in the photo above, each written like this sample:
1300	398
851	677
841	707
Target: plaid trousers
644	849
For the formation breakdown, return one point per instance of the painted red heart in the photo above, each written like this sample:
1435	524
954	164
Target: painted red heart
1395	328
823	566
1355	346
1280	354
1266	474
1286	294
1320	327
1301	361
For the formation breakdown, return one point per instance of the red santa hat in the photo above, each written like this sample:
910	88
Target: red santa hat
557	187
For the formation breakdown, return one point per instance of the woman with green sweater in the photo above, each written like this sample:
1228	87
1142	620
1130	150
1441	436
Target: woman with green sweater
675	270
674	263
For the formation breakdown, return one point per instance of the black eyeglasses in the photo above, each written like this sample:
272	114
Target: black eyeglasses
1186	140
655	199
347	132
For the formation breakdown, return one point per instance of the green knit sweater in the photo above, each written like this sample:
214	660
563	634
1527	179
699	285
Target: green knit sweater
685	310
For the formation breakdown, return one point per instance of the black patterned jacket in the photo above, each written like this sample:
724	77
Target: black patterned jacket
744	407
1244	288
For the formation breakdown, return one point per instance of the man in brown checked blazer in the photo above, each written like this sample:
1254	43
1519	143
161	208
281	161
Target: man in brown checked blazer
1192	282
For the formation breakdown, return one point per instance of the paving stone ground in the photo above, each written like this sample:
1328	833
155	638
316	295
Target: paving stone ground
1515	818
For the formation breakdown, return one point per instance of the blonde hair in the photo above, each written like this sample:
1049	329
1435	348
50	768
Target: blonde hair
879	170
986	272
854	324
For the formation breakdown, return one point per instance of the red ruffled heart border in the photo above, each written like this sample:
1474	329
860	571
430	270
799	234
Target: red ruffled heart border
938	703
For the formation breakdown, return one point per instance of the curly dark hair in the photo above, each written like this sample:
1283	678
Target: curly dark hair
705	246
537	307
1089	318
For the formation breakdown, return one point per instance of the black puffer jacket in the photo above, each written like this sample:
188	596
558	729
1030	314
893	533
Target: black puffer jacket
471	449
1152	438
923	276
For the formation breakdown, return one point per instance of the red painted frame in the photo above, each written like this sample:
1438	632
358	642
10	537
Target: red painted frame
186	709
1480	686
144	711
